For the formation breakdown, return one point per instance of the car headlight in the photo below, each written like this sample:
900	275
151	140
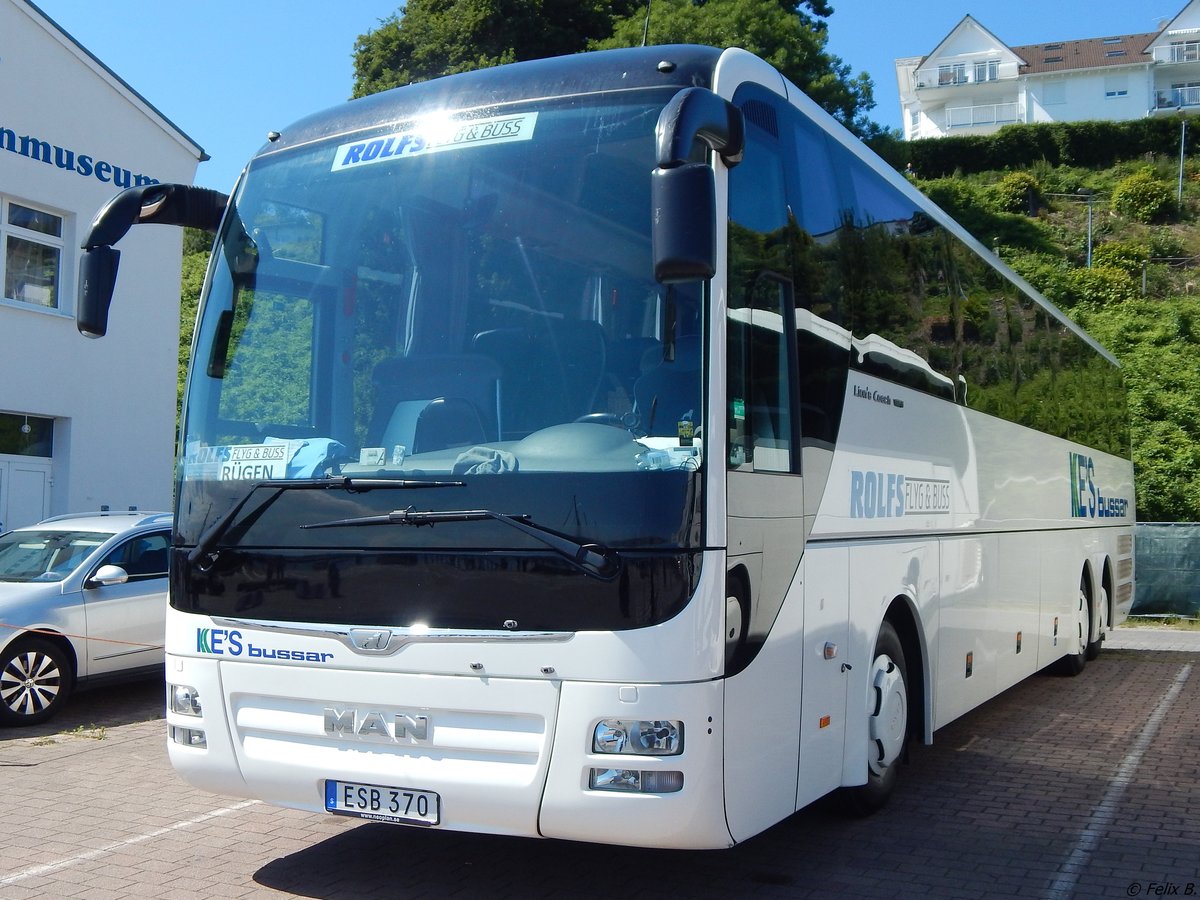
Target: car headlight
642	737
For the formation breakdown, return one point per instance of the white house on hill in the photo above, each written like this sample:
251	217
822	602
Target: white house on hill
973	83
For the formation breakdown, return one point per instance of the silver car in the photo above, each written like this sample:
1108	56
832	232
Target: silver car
83	599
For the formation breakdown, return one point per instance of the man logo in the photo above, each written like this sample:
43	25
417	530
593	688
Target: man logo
404	726
370	639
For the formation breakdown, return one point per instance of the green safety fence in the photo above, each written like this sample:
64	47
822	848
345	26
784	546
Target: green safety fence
1167	569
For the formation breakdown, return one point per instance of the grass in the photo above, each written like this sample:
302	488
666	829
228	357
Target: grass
1183	623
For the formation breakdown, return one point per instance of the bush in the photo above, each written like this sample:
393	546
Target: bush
1128	256
1016	192
1102	286
1048	274
1143	198
1165	244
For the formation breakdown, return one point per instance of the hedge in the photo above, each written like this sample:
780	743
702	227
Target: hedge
1085	144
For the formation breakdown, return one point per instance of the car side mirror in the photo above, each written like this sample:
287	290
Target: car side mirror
108	575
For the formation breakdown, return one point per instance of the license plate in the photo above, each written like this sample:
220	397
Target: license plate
382	804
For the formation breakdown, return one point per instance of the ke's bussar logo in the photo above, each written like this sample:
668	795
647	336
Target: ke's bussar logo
230	642
1087	499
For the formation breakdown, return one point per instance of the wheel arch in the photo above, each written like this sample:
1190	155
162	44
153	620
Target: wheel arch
52	636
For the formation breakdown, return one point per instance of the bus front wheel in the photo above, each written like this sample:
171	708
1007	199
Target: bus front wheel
887	723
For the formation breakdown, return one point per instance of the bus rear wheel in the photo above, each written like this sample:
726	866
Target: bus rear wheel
1077	654
887	710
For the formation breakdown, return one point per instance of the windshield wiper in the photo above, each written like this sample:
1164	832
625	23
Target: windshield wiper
218	528
593	559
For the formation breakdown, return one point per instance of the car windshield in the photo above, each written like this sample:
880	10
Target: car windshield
49	555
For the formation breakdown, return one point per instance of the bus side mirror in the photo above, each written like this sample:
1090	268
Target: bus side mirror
182	205
685	224
97	279
683	192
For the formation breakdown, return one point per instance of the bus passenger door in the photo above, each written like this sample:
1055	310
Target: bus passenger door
765	503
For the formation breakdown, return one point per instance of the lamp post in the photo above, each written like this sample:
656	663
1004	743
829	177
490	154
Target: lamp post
1182	145
1088	194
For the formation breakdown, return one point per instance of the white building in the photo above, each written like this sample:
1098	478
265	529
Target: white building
83	423
973	83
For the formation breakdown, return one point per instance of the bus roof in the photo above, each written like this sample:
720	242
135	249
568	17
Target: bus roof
678	65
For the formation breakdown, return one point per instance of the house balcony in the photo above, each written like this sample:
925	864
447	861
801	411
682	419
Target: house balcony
1185	52
959	118
1178	98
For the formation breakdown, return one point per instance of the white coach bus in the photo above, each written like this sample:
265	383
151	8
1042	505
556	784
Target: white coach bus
610	448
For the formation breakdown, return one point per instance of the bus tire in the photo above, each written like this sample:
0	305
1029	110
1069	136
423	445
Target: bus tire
1073	663
887	709
737	621
36	678
1094	647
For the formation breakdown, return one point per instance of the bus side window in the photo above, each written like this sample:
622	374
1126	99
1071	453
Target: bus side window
759	400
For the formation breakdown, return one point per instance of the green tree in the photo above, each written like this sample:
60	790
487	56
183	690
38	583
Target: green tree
431	38
440	37
195	263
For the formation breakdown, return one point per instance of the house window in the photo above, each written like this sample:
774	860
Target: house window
1054	93
987	71
1116	86
1115	53
1115	40
32	260
26	435
954	73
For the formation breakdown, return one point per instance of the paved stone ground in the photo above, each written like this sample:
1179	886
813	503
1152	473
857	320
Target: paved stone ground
1061	787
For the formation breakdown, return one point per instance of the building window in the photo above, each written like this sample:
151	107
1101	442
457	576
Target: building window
32	260
987	71
955	73
1054	93
26	435
1116	86
1111	53
1113	40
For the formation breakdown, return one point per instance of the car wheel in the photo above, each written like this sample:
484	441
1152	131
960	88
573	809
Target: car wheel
35	681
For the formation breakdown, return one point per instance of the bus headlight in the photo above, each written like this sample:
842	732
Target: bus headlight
183	699
658	737
188	737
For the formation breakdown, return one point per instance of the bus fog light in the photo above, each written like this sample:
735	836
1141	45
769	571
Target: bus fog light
183	700
633	781
188	737
640	736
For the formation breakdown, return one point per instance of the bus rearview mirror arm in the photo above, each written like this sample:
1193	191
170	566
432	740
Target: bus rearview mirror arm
683	193
182	205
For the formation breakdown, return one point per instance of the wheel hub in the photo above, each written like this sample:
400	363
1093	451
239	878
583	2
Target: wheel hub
888	714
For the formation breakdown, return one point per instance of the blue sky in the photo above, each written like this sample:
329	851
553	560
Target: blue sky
226	72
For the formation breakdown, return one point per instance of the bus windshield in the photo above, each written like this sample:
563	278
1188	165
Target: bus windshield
466	297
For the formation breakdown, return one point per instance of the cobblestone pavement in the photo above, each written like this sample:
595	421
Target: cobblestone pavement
1061	787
